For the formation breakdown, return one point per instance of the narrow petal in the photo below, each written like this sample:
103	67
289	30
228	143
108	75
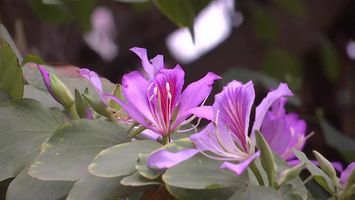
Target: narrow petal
234	105
147	66
195	93
93	78
205	112
163	159
346	173
264	106
134	89
239	168
158	63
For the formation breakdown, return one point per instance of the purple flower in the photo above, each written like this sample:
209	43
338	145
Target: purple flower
159	103
93	78
227	138
152	67
282	131
346	173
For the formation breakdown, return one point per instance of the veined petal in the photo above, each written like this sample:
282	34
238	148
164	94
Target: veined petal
134	89
239	168
205	112
234	105
92	77
163	159
147	66
195	93
264	106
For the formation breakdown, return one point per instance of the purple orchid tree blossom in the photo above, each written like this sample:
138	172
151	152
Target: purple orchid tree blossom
282	131
158	101
226	138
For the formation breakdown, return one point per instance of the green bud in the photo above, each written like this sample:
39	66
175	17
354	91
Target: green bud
266	158
100	107
325	165
290	173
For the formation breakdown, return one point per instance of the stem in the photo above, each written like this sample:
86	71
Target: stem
72	110
257	174
165	139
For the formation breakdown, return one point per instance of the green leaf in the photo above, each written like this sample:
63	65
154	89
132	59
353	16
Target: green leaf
4	97
205	194
138	180
32	59
11	79
132	1
42	96
70	150
319	176
338	140
4	34
91	187
266	158
25	125
330	61
108	163
143	169
200	172
257	193
182	12
25	187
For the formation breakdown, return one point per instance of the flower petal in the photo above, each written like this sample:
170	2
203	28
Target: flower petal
264	106
134	89
195	93
92	77
239	168
205	112
346	173
163	159
234	105
157	62
150	135
147	66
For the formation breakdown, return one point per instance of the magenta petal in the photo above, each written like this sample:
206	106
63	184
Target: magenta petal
196	92
234	104
266	103
239	168
46	78
157	62
134	89
92	77
205	112
163	159
142	54
346	173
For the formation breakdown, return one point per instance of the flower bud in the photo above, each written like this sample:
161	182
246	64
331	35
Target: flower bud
325	165
57	88
290	173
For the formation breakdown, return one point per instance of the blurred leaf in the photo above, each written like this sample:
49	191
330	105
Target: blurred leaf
32	59
284	66
91	187
182	12
4	97
338	140
316	191
258	193
264	23
132	1
108	163
25	125
11	79
68	153
25	187
4	34
330	61
143	169
295	7
42	96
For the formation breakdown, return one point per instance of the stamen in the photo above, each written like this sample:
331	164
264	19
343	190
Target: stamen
167	87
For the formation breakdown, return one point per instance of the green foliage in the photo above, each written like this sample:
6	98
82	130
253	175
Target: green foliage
182	12
25	187
67	154
5	35
11	79
330	61
108	163
25	125
264	23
